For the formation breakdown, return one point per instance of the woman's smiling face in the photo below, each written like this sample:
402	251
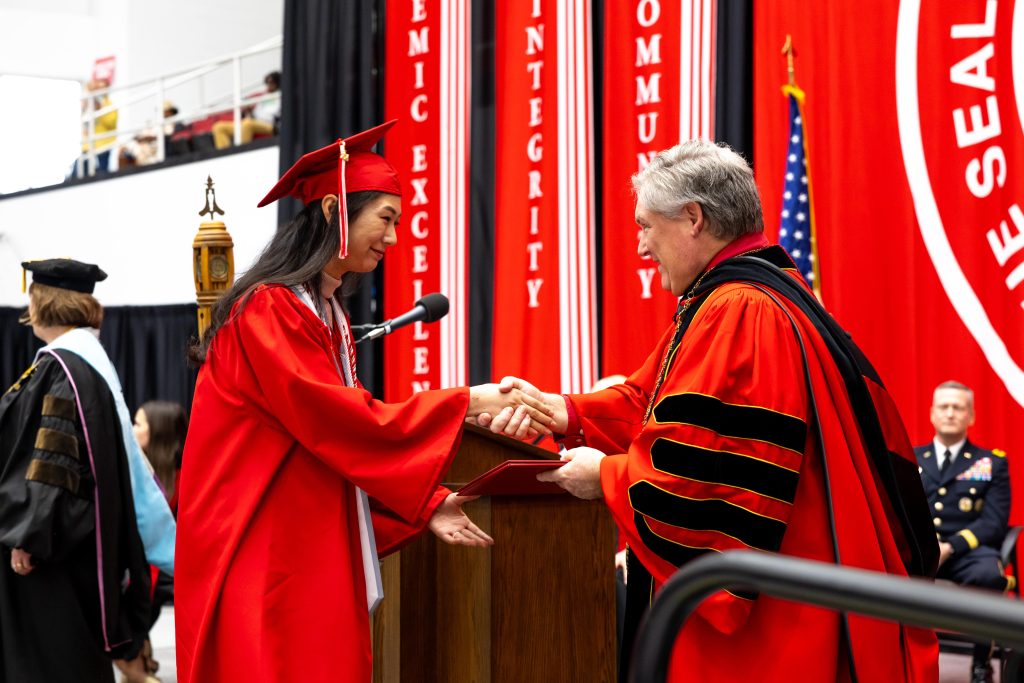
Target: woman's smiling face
371	234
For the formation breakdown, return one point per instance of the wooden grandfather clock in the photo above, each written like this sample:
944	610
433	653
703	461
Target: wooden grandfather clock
213	259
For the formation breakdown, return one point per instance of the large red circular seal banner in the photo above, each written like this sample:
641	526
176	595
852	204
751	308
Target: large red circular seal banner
960	100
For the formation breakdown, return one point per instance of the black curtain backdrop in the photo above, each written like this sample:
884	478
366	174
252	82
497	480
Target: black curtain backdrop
734	96
481	197
597	31
18	346
332	77
147	345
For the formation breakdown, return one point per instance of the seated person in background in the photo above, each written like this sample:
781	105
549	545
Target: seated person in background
160	428
260	120
105	123
968	490
142	150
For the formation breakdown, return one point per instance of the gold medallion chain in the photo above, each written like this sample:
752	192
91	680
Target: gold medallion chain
685	306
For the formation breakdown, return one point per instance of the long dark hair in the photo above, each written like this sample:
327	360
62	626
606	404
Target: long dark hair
295	256
168	425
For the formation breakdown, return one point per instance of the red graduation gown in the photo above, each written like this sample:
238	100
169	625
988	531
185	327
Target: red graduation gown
269	576
727	461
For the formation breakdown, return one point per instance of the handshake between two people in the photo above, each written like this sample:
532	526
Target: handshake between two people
516	408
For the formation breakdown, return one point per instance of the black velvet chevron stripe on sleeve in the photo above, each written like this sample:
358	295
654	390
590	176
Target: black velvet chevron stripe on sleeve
742	422
750	528
670	551
675	553
722	467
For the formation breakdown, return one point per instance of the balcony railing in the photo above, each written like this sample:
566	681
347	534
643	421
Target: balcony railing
154	92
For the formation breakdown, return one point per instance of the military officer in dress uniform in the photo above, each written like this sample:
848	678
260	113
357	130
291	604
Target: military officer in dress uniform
968	489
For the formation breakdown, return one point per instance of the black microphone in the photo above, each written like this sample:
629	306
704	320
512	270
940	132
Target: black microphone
428	309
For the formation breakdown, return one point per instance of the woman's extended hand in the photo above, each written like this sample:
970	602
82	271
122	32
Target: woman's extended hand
451	525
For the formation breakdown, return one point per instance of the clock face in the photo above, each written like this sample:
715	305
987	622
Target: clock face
219	267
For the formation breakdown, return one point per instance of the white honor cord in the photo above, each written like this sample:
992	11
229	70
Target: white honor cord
367	543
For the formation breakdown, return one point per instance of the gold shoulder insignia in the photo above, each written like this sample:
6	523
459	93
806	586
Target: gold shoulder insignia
999	452
21	380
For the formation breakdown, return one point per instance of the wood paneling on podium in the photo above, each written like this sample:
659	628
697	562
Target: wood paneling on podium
537	606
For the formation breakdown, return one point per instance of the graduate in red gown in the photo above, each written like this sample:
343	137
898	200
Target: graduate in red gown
754	424
294	478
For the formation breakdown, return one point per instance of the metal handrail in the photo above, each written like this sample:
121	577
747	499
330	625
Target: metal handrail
161	85
179	76
216	106
917	602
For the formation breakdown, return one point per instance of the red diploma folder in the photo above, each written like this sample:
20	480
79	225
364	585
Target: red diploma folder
514	478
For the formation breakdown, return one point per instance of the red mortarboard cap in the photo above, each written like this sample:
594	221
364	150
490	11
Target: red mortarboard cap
315	175
319	173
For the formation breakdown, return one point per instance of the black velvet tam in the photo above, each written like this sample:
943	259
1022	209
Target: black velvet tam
66	273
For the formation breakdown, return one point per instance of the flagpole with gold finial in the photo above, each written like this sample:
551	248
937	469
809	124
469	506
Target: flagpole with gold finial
787	50
792	89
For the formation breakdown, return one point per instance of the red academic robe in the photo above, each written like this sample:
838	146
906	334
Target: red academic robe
728	460
269	575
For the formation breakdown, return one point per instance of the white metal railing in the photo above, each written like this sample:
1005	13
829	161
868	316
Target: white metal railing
155	91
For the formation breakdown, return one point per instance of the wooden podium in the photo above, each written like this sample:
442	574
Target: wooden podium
539	605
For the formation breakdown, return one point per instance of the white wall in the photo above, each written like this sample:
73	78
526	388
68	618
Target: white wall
192	33
195	31
62	39
139	228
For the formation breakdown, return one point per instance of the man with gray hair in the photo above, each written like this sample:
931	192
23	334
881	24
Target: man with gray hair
968	491
755	424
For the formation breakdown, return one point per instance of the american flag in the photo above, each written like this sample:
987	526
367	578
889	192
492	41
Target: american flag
796	227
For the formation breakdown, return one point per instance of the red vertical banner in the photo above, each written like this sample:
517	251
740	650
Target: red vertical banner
544	318
428	92
659	90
